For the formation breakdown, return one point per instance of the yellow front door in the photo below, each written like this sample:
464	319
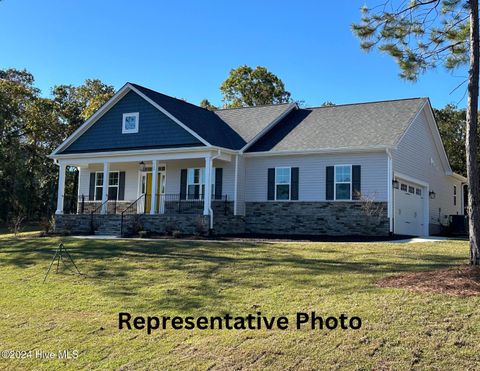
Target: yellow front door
148	190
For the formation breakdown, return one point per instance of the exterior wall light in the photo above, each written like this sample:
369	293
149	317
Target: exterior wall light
395	184
432	194
142	166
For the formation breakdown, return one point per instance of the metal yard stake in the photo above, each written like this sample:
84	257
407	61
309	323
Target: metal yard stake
59	254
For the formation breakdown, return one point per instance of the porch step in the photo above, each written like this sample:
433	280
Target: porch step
108	225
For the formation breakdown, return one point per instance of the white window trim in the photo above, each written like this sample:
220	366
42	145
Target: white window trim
97	186
335	182
289	183
455	195
201	183
130	131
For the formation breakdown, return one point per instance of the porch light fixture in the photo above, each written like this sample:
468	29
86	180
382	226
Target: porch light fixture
395	184
143	167
432	194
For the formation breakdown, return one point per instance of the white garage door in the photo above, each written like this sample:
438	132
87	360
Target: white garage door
408	205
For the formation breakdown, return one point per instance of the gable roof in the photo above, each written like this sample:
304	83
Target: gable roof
361	125
282	127
248	122
205	123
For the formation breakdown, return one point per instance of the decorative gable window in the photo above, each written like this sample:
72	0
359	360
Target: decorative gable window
130	123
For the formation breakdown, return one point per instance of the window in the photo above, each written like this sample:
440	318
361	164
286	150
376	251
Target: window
454	195
113	182
282	183
418	192
196	183
343	182
411	189
130	123
403	187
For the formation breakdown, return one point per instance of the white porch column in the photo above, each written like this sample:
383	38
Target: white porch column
106	167
207	197
153	205
61	188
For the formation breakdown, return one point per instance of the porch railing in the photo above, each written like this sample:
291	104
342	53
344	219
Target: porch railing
167	203
133	208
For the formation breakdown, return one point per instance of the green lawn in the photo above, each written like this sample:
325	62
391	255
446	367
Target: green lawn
401	329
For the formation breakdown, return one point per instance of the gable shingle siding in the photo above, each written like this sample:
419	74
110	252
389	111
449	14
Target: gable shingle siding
156	130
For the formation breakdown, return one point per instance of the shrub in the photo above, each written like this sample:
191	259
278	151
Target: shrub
176	233
137	224
48	225
201	229
16	224
171	227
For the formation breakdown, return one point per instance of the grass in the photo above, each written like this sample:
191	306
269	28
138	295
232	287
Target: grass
401	329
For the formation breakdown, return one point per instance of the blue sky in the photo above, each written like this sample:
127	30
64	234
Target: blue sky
186	48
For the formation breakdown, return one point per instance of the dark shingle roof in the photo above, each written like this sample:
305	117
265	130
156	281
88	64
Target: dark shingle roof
343	126
205	123
249	121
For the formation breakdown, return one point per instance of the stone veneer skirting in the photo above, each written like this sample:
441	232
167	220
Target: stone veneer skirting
288	218
315	218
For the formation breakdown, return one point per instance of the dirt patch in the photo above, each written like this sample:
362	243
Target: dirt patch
458	281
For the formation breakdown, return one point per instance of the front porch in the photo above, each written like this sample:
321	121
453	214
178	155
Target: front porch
158	189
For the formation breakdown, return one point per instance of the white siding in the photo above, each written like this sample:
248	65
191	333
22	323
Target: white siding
173	176
312	172
418	157
131	178
241	186
174	168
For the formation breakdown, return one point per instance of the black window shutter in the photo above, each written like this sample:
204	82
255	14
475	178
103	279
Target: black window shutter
218	183
271	184
294	191
356	183
121	186
329	183
91	189
183	184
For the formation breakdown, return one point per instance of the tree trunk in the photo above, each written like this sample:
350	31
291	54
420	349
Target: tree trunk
471	139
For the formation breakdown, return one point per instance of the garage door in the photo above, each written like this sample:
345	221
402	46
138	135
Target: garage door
408	205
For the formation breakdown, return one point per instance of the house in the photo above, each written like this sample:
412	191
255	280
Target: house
369	168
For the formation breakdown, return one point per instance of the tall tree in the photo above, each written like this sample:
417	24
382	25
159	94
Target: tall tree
451	124
423	34
31	127
246	87
75	104
205	103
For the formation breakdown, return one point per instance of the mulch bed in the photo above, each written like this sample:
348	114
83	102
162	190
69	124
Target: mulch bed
459	281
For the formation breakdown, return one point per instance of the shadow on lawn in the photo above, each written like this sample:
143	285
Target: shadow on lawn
123	268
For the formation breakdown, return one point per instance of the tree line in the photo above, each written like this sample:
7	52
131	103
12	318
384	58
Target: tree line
32	126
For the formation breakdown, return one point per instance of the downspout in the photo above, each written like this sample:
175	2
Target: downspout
210	210
390	198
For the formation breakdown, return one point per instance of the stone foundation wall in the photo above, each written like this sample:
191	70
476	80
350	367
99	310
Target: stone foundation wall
186	224
315	218
307	218
73	224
